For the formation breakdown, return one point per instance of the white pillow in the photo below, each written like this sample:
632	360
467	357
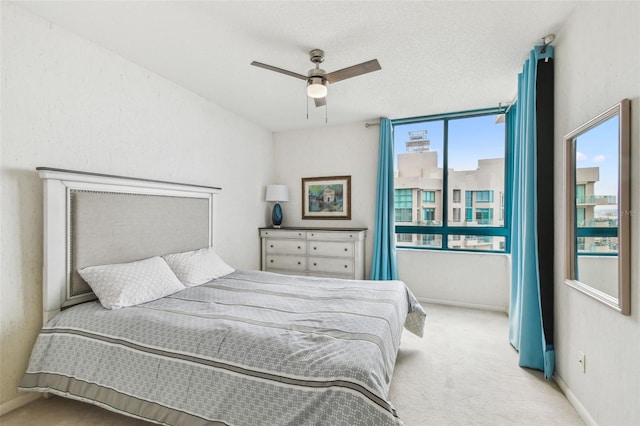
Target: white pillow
128	284
197	267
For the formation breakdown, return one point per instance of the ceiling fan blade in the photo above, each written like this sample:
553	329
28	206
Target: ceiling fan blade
280	70
353	71
320	101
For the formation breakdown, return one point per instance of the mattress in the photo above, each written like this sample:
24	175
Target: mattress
249	348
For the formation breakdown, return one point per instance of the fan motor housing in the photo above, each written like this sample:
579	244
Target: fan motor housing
316	56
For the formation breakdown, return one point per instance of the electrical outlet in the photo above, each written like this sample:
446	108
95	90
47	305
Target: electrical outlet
581	362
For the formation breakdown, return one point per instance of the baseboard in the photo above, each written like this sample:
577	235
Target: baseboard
463	304
18	402
573	399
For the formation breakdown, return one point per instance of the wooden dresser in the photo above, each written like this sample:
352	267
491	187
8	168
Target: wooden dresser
323	252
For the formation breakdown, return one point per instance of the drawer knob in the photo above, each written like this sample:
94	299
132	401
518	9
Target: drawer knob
299	263
271	261
298	247
345	266
315	248
315	264
271	246
350	236
345	249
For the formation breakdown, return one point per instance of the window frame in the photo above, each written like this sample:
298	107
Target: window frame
445	230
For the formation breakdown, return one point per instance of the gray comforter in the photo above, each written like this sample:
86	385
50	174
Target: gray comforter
250	348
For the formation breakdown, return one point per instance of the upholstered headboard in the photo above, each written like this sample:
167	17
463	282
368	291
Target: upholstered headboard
95	219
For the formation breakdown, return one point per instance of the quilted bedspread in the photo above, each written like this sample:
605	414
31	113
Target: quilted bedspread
250	348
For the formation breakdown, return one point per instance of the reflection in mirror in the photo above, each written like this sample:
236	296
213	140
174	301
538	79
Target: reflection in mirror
598	208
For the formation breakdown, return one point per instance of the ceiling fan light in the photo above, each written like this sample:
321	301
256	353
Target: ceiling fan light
316	87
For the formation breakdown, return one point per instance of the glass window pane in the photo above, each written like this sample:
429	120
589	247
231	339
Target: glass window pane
597	177
476	148
419	240
604	245
477	242
418	155
475	158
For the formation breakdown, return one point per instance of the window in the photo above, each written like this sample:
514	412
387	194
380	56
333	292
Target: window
580	191
580	215
456	214
403	200
428	214
428	196
468	206
456	196
452	159
484	196
484	216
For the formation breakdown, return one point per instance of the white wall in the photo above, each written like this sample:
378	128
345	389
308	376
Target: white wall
597	65
474	280
467	279
68	103
330	151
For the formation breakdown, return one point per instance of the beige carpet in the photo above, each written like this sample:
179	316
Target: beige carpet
463	372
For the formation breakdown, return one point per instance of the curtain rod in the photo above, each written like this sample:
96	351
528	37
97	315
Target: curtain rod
486	111
500	109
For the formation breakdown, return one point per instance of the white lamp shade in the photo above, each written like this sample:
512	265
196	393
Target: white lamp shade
277	193
316	88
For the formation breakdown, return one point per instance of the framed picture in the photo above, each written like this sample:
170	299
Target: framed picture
326	197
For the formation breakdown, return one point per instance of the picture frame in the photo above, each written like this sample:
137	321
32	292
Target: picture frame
327	197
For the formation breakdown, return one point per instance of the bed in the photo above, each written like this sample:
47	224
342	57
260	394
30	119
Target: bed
242	348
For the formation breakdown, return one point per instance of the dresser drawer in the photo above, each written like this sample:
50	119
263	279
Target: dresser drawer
281	233
291	263
291	246
330	248
331	265
335	236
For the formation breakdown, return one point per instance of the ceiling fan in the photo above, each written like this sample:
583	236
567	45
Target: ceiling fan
317	78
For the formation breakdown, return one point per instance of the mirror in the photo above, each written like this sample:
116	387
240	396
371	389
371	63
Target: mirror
598	208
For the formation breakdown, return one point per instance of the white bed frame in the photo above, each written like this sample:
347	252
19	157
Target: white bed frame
58	185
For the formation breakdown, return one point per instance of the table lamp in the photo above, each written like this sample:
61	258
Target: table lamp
277	193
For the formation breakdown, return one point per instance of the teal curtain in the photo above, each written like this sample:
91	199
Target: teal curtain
383	262
532	278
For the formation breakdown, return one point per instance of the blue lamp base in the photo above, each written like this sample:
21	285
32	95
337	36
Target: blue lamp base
276	216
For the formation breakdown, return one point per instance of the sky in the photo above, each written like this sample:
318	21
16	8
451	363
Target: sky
470	139
598	147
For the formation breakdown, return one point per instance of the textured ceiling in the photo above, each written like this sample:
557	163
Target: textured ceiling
436	56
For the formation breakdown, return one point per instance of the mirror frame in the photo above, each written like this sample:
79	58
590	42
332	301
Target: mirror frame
623	302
